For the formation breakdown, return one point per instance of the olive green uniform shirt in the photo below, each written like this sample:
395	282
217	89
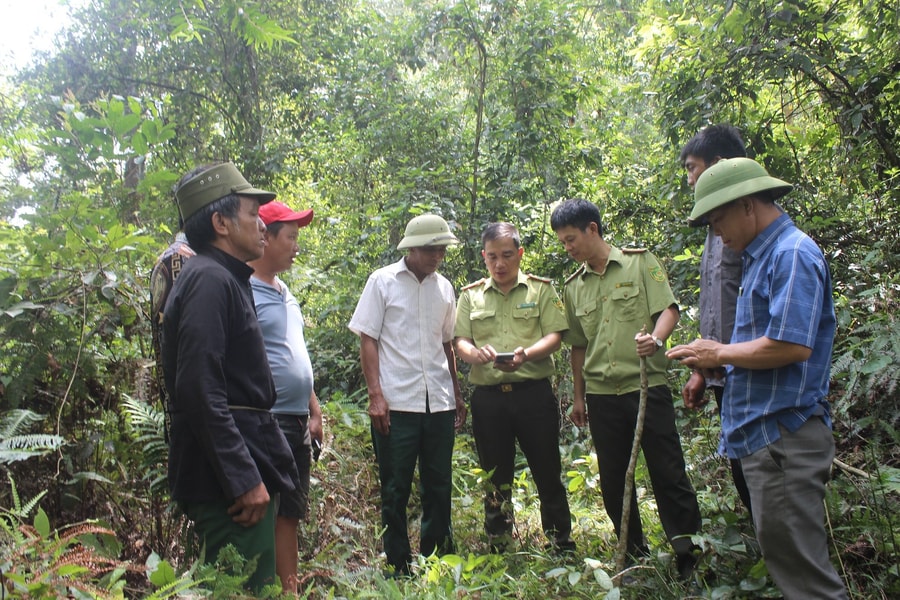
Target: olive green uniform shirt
531	310
606	310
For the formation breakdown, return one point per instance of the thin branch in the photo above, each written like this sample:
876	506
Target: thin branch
845	467
65	398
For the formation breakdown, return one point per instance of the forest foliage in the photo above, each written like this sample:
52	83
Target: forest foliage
372	112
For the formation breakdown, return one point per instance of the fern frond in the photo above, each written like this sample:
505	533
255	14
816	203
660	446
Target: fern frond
175	589
17	422
13	490
21	511
146	424
29	506
144	418
22	447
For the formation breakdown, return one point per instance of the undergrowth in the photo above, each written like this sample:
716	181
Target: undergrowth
340	543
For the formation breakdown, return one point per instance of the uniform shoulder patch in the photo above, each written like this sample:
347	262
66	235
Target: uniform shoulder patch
536	278
475	284
657	273
633	250
577	272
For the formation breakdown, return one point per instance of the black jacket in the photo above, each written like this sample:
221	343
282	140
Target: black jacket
223	439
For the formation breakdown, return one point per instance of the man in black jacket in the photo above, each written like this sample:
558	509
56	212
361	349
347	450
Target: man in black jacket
227	456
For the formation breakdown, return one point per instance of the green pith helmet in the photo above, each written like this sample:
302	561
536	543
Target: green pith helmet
427	230
728	180
214	183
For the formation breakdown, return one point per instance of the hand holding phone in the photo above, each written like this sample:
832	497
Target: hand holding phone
505	357
316	450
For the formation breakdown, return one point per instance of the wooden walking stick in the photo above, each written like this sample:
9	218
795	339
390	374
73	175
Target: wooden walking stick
622	547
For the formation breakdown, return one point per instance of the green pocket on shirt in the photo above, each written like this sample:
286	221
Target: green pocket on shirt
480	315
588	315
626	303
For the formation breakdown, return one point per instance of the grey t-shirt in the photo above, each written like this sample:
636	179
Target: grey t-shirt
282	327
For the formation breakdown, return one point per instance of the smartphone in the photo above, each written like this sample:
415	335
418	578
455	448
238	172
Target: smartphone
316	450
505	357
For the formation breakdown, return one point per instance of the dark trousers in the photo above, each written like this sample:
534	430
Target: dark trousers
528	414
428	439
217	529
612	420
787	479
737	472
295	504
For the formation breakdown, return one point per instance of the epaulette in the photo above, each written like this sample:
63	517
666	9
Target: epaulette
633	250
535	277
577	272
475	284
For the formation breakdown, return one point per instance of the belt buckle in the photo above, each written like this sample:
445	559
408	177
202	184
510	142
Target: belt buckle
506	387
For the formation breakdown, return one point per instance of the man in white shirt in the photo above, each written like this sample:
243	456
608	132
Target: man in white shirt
405	320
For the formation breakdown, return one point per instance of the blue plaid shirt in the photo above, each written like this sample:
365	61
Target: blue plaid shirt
785	296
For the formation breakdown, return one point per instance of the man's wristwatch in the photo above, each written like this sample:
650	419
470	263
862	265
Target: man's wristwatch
659	342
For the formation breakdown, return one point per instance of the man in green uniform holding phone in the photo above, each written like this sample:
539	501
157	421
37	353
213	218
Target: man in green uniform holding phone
508	326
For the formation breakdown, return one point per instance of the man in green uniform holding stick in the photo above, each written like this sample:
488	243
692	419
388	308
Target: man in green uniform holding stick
612	295
508	326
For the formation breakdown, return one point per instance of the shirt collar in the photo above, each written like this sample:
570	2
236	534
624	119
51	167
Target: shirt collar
768	236
236	267
615	256
402	267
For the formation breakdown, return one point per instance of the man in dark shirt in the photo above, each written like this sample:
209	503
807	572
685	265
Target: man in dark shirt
227	455
720	276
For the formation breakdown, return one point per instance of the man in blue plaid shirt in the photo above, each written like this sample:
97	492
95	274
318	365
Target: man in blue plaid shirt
775	417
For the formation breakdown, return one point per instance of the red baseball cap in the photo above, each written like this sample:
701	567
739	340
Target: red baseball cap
276	212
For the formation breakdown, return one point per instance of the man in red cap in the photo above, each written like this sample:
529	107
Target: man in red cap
296	406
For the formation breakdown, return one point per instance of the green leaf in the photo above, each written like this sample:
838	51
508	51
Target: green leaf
890	478
19	307
7	287
42	523
139	143
557	572
877	364
88	476
70	570
162	574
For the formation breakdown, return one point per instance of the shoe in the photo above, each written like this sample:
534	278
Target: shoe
633	559
560	547
501	548
501	543
686	563
398	572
